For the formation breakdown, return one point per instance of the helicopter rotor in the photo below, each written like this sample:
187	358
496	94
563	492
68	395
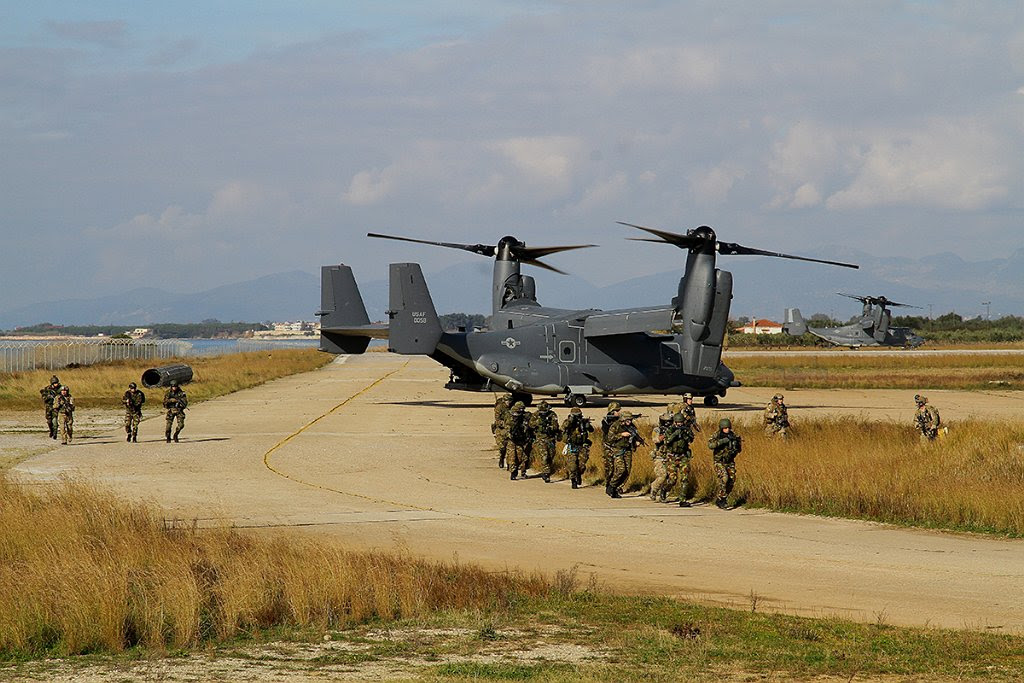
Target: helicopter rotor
876	301
704	236
516	249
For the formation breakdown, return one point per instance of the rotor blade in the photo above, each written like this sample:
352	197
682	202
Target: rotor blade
862	299
674	238
893	303
541	264
482	249
738	249
527	253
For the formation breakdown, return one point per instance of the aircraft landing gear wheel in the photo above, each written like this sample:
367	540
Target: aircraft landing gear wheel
577	400
711	401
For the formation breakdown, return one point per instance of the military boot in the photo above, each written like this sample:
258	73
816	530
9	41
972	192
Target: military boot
501	462
167	436
128	438
176	437
513	475
135	437
683	503
574	484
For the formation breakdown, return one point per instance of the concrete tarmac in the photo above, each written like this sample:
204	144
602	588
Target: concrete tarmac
373	451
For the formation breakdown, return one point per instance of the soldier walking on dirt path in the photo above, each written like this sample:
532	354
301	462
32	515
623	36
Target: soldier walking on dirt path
677	444
500	426
661	484
175	401
623	438
519	439
48	394
132	400
64	409
577	430
546	434
725	445
614	410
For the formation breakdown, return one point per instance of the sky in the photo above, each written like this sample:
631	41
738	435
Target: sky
192	144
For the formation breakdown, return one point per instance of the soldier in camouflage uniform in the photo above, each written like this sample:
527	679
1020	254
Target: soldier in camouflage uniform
519	439
64	409
926	418
725	445
546	434
677	445
776	417
688	411
132	400
614	410
577	430
48	394
175	401
500	426
623	438
661	484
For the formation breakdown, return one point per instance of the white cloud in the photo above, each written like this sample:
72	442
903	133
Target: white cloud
600	194
712	186
547	160
370	186
949	164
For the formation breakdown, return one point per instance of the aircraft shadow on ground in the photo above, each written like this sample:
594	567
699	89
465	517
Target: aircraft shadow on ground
558	404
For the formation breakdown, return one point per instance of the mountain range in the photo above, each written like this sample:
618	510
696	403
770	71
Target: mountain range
764	287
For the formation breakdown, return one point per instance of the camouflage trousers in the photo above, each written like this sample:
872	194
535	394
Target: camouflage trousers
173	416
679	471
772	429
545	449
501	440
929	433
518	459
606	460
725	472
51	421
67	426
619	470
577	465
131	422
663	480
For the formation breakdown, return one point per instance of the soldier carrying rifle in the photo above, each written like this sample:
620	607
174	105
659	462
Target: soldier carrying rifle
175	401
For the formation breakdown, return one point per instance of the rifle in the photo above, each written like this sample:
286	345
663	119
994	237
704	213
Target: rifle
634	436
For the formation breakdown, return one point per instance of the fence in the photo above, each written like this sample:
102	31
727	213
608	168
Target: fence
19	356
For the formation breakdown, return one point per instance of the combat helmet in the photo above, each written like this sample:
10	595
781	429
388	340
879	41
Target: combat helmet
576	411
613	406
667	415
54	380
678	418
920	400
543	407
173	383
64	387
133	385
518	405
687	396
725	423
777	397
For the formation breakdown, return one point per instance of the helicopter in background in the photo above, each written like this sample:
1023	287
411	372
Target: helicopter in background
530	349
873	328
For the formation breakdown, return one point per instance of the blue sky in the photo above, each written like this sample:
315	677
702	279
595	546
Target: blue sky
191	144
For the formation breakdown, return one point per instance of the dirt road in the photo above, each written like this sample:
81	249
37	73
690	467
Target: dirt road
372	451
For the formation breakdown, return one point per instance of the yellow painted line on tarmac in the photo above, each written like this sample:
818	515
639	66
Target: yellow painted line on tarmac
283	442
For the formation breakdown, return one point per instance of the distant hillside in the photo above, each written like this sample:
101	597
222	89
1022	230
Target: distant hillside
285	296
764	287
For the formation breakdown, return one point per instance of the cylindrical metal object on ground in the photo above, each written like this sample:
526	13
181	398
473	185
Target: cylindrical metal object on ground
161	377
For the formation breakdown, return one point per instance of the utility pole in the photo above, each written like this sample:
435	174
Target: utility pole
929	311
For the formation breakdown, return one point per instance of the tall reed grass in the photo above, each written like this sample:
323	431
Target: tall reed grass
100	386
969	480
876	371
82	571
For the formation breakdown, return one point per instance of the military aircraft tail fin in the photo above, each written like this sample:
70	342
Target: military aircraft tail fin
415	327
344	325
793	323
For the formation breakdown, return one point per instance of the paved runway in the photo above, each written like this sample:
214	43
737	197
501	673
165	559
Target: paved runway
371	450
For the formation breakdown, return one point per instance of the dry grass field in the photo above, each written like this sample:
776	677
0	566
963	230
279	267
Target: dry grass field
101	386
875	371
81	571
972	479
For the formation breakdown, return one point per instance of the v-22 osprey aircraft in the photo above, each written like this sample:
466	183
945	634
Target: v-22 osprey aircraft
529	349
873	328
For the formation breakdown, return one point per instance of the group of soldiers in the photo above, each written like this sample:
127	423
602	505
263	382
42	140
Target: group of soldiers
519	435
59	407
